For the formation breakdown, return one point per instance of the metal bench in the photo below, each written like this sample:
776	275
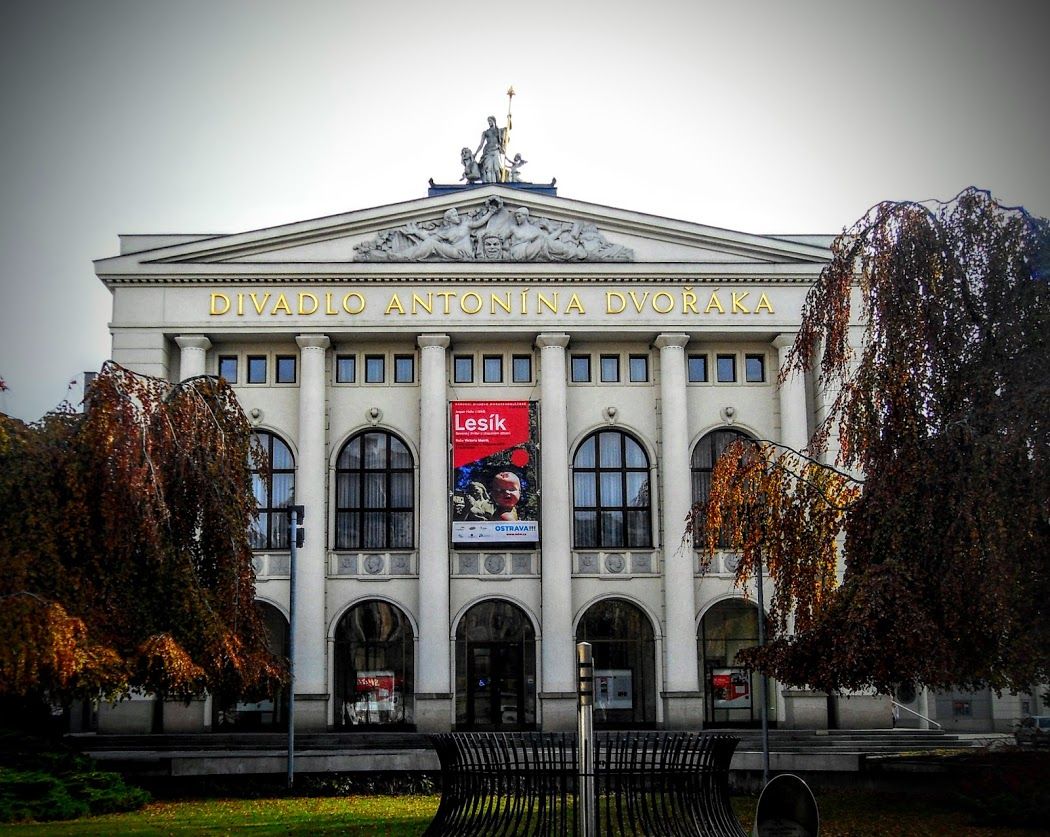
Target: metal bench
646	783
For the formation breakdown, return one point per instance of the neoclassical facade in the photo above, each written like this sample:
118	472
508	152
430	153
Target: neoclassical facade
633	348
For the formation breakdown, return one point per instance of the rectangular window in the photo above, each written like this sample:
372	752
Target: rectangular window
521	369
404	369
610	369
256	369
581	369
726	368
754	368
698	369
639	369
492	369
285	369
463	369
228	368
375	369
345	369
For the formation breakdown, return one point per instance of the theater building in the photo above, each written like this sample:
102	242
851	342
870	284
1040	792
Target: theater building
496	406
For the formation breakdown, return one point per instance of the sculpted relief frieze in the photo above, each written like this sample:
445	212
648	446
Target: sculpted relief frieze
496	233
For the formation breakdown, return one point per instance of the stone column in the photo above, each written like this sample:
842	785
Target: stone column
794	425
683	704
433	676
558	698
194	350
311	685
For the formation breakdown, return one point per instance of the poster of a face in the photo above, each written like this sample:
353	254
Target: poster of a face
731	687
495	472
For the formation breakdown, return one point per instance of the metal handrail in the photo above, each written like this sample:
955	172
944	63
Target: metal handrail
916	714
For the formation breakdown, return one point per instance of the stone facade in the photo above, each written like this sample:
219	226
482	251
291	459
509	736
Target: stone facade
677	332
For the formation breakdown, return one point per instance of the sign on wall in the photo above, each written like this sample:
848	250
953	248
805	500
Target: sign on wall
731	688
613	688
495	472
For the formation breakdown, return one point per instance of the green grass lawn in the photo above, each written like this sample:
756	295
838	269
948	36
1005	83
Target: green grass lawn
843	814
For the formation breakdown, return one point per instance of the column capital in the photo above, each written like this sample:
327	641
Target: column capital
433	341
671	341
784	341
552	341
313	341
193	341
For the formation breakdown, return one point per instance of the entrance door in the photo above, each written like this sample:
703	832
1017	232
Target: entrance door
495	685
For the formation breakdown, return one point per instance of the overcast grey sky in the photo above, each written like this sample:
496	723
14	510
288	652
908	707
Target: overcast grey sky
221	116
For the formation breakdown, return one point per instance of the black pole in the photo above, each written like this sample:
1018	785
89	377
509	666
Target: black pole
762	688
293	536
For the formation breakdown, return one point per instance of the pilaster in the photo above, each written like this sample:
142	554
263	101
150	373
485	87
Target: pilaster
310	569
558	670
682	705
433	676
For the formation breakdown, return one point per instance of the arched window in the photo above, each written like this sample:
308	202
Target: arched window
269	713
495	668
374	666
373	493
274	489
705	455
731	690
610	481
621	638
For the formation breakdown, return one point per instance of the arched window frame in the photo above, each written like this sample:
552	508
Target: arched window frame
269	531
602	491
705	455
389	523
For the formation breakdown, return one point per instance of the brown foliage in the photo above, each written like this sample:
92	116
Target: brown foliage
127	563
943	400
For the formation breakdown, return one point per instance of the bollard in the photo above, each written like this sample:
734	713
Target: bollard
585	807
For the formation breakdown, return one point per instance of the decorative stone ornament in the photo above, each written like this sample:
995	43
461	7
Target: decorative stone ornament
374	415
729	414
492	233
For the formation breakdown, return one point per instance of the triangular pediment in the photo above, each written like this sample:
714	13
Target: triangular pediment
424	232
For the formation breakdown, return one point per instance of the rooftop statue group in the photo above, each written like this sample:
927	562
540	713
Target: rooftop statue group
493	233
493	166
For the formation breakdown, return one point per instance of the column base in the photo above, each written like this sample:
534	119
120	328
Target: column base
559	711
683	710
311	713
433	712
805	709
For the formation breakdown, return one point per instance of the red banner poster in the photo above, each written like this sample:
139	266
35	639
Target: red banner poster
495	495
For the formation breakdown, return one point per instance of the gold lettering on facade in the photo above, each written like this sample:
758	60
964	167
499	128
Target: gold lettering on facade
763	302
446	295
575	305
473	309
634	298
240	305
306	295
666	309
541	301
328	309
738	302
281	305
215	312
394	305
525	301
714	302
620	299
360	303
495	300
260	305
689	301
417	303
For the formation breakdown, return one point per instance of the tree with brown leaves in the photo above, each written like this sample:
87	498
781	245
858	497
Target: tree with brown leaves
126	562
942	406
